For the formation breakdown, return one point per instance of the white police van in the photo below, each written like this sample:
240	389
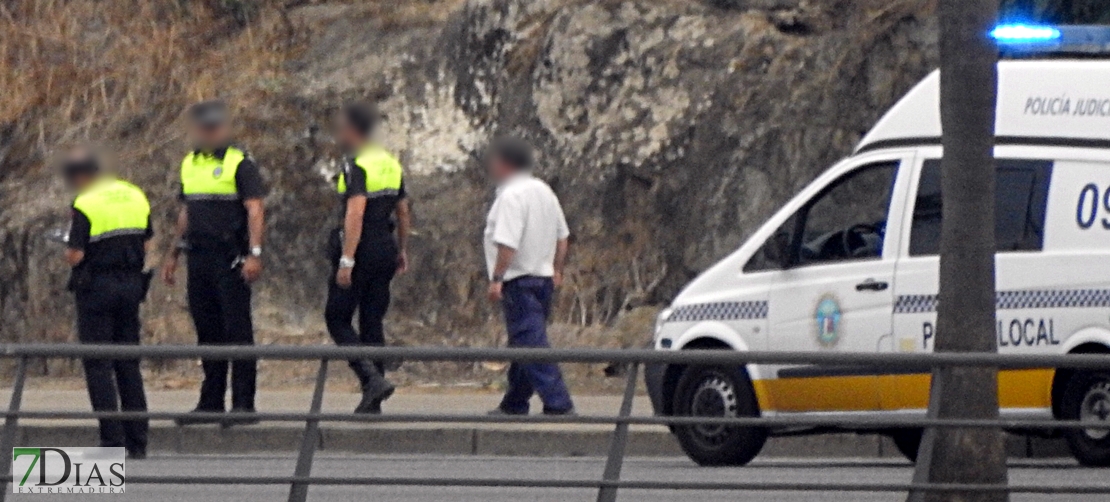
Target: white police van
851	265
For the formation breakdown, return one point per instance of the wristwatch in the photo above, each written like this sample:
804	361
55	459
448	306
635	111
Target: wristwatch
498	278
345	262
256	251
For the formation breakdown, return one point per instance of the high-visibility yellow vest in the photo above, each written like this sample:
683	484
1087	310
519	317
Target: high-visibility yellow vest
114	208
206	177
383	172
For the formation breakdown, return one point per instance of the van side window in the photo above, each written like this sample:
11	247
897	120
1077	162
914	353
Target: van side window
1021	196
848	220
845	221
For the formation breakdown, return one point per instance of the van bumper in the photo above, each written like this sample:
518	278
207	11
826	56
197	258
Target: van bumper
653	378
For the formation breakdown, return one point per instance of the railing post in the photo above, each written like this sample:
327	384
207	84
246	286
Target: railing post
11	425
615	461
298	492
924	463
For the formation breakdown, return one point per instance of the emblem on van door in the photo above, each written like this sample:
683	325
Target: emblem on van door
828	321
219	171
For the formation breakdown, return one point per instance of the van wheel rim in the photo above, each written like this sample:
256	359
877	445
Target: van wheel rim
715	397
1096	408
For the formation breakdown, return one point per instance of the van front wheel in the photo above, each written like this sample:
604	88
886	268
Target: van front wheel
1087	398
717	392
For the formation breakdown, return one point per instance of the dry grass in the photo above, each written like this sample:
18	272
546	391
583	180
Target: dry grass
122	71
397	14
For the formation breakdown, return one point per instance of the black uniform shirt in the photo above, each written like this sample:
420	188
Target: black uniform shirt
223	222
377	221
122	252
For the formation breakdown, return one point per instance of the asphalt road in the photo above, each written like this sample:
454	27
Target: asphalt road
677	469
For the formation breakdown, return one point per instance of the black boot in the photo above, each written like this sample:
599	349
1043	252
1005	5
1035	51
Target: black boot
375	388
191	418
240	416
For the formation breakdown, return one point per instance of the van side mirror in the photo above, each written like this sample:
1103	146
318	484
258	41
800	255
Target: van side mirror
777	250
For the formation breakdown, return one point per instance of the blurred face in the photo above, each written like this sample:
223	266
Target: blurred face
499	170
78	157
78	182
210	137
347	136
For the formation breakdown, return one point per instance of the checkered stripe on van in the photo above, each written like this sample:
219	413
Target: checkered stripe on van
1054	299
1012	300
719	311
915	304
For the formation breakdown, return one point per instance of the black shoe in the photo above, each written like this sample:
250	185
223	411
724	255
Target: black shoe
136	454
501	412
195	420
240	416
372	408
373	394
569	412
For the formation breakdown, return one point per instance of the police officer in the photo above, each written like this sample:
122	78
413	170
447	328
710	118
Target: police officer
108	239
221	226
365	252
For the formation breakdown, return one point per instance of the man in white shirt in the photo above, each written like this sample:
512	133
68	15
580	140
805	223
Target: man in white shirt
526	247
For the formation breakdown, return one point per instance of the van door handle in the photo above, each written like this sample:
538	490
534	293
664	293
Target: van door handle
872	285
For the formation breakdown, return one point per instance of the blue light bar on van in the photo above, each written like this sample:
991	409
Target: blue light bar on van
1033	38
1025	34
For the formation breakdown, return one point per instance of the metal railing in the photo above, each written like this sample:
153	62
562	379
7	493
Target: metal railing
610	482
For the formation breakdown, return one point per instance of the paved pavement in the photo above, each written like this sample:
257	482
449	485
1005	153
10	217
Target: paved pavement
335	401
663	469
541	440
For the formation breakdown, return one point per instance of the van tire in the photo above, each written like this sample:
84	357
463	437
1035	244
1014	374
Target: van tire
717	391
1087	397
908	442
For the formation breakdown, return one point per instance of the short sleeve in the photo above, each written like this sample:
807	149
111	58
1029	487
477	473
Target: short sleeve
508	222
356	179
79	228
248	180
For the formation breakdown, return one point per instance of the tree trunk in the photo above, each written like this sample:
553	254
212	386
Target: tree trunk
966	310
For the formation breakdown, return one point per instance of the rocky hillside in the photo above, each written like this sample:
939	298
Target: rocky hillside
669	128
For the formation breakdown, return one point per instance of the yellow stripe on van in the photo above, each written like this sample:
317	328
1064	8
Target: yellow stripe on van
1017	389
840	393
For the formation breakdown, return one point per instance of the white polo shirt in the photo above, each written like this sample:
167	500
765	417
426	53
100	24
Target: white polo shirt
527	217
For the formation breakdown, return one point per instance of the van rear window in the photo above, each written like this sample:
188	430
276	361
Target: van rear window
1021	196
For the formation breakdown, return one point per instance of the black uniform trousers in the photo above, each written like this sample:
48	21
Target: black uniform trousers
375	266
220	303
108	313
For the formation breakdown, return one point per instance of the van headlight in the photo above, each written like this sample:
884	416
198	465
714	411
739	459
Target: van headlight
661	320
